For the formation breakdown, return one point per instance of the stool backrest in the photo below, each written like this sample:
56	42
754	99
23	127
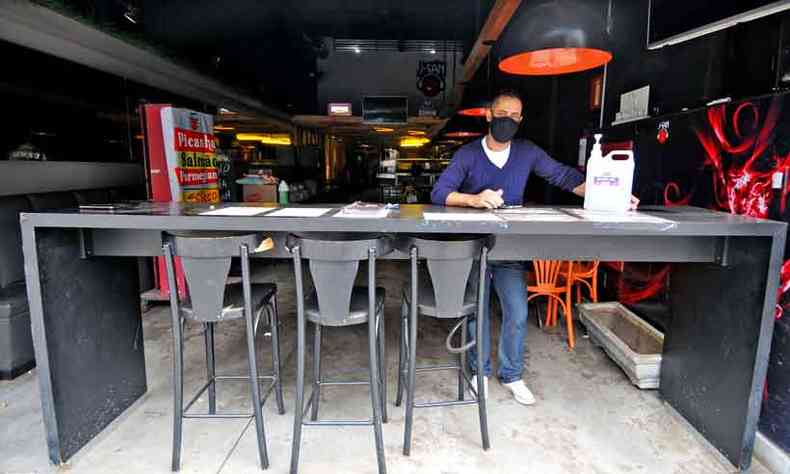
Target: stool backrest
451	262
205	259
333	260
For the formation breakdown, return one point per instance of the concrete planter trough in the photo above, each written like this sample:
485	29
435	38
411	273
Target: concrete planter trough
631	342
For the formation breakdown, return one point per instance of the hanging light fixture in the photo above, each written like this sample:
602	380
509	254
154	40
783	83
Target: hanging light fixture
552	37
475	102
464	127
477	96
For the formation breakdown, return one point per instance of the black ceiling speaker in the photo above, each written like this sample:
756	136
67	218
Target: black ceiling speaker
552	37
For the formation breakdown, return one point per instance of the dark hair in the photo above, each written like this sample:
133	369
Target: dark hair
509	93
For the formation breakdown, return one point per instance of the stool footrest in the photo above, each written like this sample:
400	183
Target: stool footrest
243	377
445	403
220	416
435	368
342	382
264	396
338	423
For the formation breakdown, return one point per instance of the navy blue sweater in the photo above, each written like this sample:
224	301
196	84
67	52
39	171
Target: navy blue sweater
471	172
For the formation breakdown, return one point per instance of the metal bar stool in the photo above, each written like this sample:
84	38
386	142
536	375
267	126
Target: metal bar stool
333	265
205	258
448	290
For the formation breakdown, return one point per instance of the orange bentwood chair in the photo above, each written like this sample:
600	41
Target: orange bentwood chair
553	283
585	274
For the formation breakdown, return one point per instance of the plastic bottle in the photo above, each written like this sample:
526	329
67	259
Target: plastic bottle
609	180
282	191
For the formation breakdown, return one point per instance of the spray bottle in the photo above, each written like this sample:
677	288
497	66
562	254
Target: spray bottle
609	180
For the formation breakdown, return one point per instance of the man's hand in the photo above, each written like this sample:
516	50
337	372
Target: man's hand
487	199
634	203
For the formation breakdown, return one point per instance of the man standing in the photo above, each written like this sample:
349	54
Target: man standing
487	174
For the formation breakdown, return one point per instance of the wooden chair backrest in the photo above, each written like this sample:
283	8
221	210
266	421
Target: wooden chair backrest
585	269
547	272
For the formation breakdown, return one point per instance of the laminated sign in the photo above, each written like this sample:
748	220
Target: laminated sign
190	154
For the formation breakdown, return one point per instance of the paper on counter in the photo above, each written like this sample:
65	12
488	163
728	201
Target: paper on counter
300	212
527	210
631	217
558	217
364	210
238	211
380	214
461	216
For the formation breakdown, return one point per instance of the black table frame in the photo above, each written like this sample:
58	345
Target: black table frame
87	330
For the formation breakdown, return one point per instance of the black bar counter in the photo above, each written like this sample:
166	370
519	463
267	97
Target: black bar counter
85	307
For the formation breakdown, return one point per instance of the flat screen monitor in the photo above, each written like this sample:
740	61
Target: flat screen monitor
675	21
385	109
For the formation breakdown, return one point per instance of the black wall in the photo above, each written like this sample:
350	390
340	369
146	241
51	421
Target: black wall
740	62
72	112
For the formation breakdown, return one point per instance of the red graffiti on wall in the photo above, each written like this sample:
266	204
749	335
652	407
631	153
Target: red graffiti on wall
630	294
742	173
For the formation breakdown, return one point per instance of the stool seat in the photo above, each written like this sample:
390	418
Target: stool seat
358	309
426	300
233	302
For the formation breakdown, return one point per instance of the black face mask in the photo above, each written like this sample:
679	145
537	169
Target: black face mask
503	129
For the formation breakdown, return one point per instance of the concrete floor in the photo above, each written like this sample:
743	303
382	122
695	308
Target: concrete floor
588	419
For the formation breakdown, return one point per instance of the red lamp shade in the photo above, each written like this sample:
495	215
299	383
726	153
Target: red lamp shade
462	134
474	111
554	61
551	37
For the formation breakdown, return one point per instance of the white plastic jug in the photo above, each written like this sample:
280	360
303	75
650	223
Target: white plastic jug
609	180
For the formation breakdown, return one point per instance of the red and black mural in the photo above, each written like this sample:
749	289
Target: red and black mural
735	158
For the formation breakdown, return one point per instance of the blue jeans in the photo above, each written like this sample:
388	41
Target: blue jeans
508	279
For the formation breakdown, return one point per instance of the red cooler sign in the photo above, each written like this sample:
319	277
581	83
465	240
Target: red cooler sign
182	164
190	155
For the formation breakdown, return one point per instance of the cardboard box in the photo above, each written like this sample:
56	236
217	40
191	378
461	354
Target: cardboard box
260	192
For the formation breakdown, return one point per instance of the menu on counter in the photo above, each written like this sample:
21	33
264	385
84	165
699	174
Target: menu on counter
300	212
527	210
368	210
238	211
461	216
631	217
539	217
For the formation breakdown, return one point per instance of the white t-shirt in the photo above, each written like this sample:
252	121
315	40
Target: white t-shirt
498	158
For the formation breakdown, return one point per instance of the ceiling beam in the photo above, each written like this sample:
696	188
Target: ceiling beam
39	28
497	20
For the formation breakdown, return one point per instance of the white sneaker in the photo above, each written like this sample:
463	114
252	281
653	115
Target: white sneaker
474	386
520	392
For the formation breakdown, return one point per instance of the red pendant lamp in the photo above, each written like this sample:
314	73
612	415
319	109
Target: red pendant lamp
553	37
464	127
475	101
479	111
477	95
